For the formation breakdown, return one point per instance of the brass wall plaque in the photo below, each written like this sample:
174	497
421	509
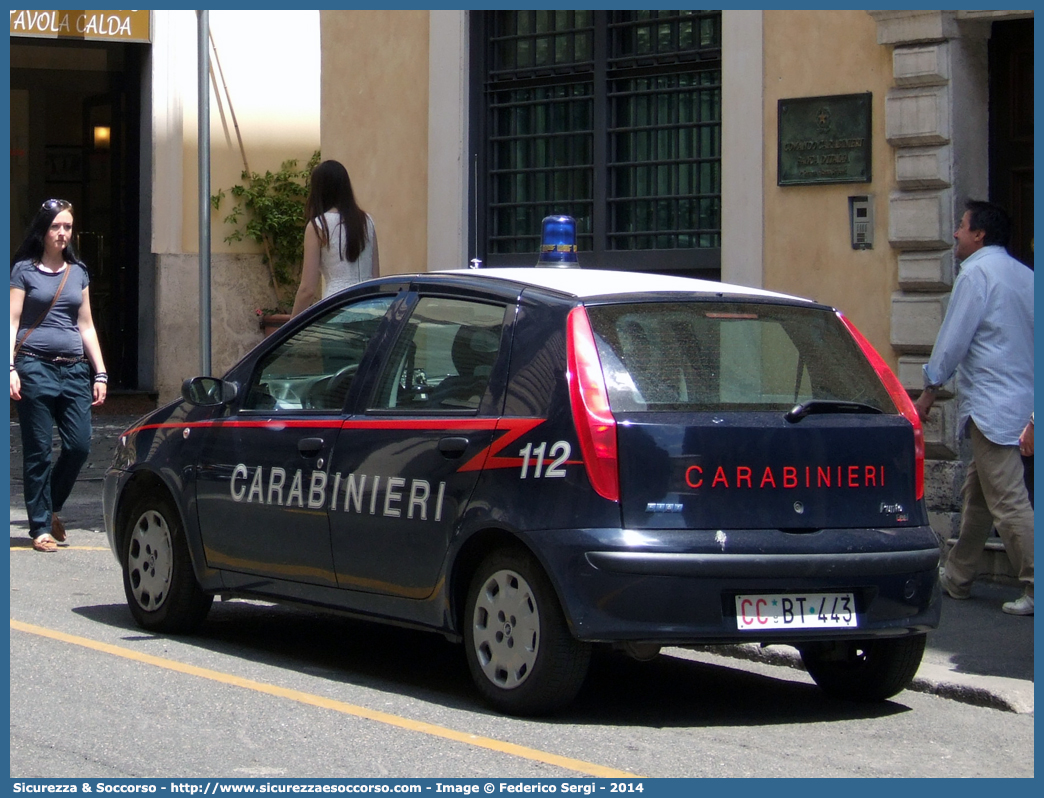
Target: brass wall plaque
824	140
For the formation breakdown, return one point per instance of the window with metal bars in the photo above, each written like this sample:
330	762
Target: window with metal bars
612	117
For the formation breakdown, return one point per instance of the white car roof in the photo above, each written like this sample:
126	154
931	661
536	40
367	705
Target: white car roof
584	283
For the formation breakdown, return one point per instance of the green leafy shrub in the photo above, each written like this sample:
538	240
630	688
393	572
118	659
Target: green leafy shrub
270	210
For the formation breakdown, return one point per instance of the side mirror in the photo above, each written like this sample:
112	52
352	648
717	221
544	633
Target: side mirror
208	391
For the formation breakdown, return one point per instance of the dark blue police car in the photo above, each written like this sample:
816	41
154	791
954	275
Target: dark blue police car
538	461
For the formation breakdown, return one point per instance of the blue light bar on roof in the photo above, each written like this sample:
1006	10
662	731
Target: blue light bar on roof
558	243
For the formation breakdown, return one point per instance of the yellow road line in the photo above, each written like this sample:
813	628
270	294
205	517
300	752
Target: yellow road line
578	765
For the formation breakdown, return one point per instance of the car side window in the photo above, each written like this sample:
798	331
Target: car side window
443	359
314	368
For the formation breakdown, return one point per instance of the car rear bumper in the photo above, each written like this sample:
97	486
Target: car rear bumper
616	593
757	566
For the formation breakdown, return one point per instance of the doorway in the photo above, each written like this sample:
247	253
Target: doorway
75	135
1011	141
1011	129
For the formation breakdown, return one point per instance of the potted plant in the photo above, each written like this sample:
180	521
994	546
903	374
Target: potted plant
270	210
271	319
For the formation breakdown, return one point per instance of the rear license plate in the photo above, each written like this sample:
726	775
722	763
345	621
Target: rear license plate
777	611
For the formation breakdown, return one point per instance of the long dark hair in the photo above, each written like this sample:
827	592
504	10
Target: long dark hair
32	247
330	187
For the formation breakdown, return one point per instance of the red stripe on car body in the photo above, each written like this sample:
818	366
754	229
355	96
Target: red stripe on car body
512	429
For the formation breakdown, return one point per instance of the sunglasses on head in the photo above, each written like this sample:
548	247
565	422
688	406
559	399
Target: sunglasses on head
56	205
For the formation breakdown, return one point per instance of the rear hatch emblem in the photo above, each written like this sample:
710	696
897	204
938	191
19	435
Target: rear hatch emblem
663	507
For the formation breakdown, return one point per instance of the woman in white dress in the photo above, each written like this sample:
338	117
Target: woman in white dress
340	242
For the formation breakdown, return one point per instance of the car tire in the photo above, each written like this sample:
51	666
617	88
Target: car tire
161	588
520	652
864	670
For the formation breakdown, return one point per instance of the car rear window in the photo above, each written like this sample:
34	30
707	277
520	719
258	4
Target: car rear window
707	356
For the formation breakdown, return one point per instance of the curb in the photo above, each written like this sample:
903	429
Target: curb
992	692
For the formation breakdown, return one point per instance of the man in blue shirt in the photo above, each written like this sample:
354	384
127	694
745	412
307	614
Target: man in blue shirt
987	338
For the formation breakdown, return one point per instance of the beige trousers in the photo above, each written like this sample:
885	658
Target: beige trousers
994	495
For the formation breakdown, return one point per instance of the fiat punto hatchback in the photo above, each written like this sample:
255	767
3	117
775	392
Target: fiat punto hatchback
535	462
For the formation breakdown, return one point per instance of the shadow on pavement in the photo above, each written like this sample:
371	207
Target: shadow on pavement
666	692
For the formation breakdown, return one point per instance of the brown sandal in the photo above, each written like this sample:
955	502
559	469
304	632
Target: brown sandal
57	528
45	542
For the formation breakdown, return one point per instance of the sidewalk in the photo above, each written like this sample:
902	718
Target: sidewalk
978	655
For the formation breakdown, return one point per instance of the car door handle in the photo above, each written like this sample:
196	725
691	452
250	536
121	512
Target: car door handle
453	447
310	447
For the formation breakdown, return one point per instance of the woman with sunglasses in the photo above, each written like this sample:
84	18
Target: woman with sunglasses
53	347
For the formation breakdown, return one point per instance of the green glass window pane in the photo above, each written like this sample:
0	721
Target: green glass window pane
664	37
664	173
562	49
525	53
708	32
685	35
584	46
643	40
543	51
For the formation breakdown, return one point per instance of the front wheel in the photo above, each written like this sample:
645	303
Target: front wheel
162	591
520	652
864	670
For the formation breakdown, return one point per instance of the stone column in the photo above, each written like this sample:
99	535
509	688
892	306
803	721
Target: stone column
936	119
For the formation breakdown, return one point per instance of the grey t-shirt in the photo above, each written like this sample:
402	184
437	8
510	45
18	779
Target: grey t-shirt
57	334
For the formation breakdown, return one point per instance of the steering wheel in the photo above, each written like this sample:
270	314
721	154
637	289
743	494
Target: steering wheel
330	392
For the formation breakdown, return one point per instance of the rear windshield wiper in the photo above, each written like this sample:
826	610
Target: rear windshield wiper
798	412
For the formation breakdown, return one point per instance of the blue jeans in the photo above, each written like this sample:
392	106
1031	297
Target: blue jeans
52	394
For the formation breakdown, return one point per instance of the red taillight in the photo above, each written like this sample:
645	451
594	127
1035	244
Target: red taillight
595	425
899	396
